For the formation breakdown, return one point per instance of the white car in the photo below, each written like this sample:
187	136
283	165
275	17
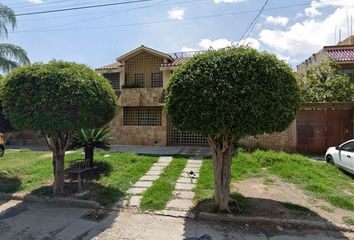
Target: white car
342	156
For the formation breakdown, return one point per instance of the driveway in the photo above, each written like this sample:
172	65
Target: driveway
29	221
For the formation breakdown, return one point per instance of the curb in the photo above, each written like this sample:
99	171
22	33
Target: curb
70	202
277	221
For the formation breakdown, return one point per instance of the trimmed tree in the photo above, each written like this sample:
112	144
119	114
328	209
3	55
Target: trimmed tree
5	125
228	94
56	99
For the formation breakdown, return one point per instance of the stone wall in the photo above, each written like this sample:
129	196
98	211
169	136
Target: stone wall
141	97
285	140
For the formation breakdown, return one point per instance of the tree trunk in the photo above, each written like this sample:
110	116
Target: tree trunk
222	152
89	154
58	143
53	162
59	175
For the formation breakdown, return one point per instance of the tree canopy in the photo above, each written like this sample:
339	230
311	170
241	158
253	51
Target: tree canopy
325	83
58	96
56	99
5	125
227	94
232	92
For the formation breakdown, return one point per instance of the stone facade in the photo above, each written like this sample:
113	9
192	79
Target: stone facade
143	63
141	97
138	135
147	61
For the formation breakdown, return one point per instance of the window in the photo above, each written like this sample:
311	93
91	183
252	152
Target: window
139	79
126	79
349	147
156	80
113	78
142	116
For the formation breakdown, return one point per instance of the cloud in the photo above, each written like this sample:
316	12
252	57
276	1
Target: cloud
228	1
216	44
187	49
282	57
205	44
306	37
252	42
313	10
282	21
176	13
36	1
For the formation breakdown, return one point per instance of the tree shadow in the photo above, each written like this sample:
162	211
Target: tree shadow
348	174
9	184
262	209
91	189
51	220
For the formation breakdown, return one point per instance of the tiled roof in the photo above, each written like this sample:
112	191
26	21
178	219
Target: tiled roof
175	62
341	55
110	66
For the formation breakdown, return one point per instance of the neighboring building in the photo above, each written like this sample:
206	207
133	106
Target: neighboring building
343	54
139	78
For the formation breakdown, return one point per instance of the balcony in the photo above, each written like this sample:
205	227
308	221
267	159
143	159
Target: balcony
142	97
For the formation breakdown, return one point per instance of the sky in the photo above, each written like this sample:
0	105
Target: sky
291	29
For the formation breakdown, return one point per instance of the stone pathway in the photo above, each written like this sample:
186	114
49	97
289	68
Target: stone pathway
146	181
183	193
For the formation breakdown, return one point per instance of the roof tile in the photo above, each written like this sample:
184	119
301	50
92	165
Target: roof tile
341	55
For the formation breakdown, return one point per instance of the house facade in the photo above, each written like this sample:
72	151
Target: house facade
342	53
140	78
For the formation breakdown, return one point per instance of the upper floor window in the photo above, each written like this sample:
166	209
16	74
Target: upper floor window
139	79
156	80
113	78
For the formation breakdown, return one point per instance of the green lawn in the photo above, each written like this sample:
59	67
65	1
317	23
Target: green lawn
318	179
157	196
27	170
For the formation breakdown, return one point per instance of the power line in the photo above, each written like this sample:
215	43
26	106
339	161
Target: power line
27	4
163	21
254	21
83	7
159	4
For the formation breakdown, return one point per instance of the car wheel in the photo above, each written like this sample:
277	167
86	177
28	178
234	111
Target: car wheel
329	159
2	150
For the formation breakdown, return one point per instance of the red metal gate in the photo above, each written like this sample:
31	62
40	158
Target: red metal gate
319	129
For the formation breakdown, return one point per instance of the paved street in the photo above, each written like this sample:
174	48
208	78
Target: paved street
42	221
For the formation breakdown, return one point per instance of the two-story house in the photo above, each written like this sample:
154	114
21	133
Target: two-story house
139	78
342	53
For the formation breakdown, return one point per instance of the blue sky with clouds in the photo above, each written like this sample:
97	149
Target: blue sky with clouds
290	29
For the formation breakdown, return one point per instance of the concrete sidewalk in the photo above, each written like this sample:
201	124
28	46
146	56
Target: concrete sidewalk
168	150
28	221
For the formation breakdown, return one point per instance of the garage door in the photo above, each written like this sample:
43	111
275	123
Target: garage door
319	129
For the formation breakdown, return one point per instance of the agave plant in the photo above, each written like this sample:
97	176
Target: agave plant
89	139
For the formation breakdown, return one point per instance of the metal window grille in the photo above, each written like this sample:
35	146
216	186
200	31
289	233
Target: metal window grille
156	80
181	138
142	116
139	79
113	78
